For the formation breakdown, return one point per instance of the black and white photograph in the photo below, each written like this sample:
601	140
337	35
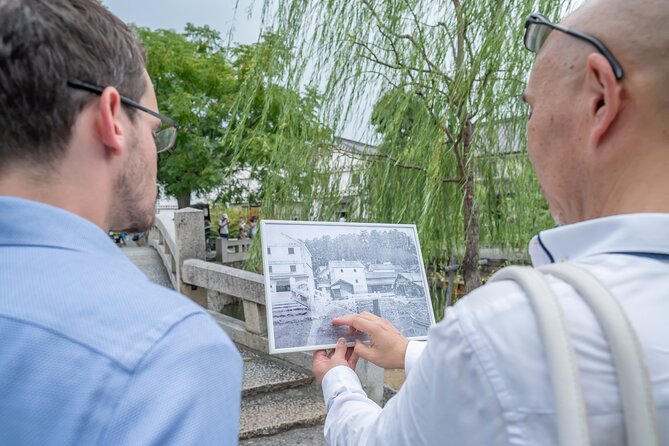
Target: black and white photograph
317	271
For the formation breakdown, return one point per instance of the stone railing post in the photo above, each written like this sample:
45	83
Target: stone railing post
190	244
220	246
371	377
256	318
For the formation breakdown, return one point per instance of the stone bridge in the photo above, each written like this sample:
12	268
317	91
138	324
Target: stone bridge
281	403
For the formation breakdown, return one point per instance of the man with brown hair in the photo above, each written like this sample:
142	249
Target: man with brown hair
86	358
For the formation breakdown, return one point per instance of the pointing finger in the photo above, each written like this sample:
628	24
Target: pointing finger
357	322
344	320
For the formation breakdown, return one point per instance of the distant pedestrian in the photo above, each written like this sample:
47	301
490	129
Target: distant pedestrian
224	226
253	227
242	228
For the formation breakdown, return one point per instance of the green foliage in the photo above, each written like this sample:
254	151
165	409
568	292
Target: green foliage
275	122
199	83
446	79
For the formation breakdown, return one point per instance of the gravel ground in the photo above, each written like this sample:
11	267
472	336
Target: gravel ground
305	436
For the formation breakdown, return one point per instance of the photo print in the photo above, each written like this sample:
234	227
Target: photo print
316	271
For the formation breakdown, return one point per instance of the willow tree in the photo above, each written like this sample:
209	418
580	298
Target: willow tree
444	81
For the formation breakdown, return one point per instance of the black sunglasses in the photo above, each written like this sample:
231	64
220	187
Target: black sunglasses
165	137
538	28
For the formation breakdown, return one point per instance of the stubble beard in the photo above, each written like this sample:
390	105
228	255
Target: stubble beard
138	212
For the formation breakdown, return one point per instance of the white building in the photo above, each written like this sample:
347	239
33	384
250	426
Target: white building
347	277
290	267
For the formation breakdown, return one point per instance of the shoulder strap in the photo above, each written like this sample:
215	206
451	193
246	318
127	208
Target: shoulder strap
570	406
635	388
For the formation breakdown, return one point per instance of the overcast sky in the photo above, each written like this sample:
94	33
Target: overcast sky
219	14
174	14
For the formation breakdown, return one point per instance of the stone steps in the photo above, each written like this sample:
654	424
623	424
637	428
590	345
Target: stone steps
288	309
277	398
305	436
149	262
263	374
279	411
288	314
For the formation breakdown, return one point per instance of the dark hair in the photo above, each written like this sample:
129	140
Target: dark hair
43	44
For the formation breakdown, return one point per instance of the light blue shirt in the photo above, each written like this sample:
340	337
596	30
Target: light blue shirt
482	377
92	353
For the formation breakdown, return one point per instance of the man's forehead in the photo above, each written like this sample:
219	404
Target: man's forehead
543	69
149	98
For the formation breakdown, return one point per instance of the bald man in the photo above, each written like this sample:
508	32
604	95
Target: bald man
598	137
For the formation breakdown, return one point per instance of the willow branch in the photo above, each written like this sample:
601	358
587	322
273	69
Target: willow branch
376	59
387	33
381	157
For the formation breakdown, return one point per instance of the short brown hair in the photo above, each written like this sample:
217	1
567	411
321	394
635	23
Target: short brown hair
43	44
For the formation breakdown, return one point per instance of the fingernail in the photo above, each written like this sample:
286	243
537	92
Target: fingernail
341	341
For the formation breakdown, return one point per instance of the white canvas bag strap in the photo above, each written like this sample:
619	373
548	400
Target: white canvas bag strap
572	421
633	379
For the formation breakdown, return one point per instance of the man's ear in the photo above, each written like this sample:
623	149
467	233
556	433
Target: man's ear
110	122
605	97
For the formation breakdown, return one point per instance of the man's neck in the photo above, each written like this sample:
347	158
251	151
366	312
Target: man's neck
638	185
69	196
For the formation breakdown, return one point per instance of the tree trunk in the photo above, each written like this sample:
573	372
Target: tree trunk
183	200
470	262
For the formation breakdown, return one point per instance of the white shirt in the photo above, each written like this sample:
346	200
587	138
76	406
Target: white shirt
482	378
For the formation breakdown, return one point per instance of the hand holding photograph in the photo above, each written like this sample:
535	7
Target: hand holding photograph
317	271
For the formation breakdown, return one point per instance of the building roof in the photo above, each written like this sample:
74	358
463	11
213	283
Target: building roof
284	244
340	282
381	281
298	241
384	267
357	146
371	275
412	277
345	264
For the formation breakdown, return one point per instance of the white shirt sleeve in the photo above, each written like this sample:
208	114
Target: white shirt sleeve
447	397
412	355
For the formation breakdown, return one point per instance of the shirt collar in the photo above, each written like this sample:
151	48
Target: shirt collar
629	233
31	223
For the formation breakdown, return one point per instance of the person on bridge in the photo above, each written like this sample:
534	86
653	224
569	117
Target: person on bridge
598	137
86	358
224	226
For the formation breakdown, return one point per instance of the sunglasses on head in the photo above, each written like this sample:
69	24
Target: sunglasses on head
538	28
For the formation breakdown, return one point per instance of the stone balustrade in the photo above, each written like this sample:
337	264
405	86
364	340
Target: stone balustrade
232	250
